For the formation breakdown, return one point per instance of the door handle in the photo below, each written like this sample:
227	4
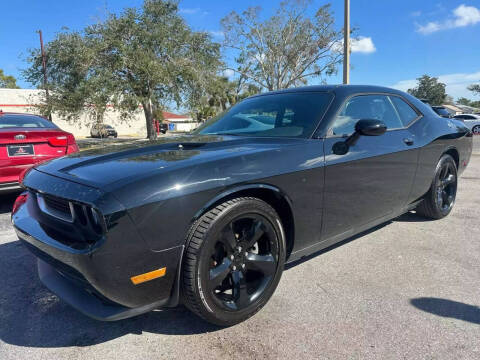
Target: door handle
408	141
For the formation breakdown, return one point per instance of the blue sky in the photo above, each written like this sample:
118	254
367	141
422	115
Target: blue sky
399	40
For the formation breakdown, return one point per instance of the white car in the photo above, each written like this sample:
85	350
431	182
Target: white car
471	120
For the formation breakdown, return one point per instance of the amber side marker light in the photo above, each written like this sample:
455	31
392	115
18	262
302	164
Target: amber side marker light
148	276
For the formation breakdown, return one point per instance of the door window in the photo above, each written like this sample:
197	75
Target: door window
405	111
378	107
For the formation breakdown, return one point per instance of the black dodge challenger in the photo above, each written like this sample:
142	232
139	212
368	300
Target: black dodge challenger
210	219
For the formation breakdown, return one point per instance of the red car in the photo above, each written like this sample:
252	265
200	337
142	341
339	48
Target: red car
26	140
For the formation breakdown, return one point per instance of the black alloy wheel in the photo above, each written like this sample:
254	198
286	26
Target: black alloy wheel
439	200
446	186
234	261
243	261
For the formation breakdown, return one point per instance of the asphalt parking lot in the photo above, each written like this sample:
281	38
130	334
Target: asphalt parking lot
408	289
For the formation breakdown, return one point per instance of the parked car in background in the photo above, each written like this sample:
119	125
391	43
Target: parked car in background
102	131
472	121
163	128
442	111
275	178
26	140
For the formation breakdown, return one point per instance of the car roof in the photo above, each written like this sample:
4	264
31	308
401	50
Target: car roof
17	114
344	89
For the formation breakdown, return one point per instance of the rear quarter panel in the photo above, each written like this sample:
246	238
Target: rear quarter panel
435	137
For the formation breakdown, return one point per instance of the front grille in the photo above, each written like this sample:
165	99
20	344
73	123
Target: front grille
57	204
84	218
56	207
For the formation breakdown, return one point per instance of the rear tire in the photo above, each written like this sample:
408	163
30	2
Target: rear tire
476	129
440	198
233	261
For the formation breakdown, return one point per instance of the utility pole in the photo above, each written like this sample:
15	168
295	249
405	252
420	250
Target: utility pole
44	66
346	44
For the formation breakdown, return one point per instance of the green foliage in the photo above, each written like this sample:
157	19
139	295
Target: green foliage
468	102
463	101
146	56
75	81
7	81
475	88
431	89
220	94
285	50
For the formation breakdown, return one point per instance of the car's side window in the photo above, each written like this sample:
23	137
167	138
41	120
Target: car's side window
378	107
405	111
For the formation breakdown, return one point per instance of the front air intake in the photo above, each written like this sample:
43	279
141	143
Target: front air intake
83	217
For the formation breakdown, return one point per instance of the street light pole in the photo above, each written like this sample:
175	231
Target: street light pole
346	44
44	66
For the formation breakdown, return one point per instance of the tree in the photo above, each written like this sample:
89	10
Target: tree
286	49
220	94
154	56
449	100
76	82
431	89
7	81
475	88
468	102
464	101
146	56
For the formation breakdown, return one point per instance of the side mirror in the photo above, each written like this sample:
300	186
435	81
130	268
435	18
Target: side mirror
370	127
365	127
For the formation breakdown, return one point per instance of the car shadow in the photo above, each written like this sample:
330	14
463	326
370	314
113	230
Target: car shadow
448	308
6	202
34	317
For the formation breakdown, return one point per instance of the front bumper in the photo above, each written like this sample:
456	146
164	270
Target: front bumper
98	276
85	301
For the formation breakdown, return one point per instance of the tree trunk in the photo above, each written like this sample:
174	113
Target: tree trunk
148	110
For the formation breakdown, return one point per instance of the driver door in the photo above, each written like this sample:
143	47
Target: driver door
373	179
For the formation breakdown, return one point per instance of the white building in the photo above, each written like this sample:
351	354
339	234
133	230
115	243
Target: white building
27	100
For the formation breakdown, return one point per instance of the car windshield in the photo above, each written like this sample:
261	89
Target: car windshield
24	121
276	115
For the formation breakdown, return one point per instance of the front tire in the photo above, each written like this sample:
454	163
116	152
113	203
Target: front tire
476	129
440	198
234	261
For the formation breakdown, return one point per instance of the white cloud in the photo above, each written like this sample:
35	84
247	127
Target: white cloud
416	13
456	84
462	16
363	45
429	28
216	33
466	15
188	10
228	73
192	11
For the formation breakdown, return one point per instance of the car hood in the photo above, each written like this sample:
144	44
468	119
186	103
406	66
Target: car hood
126	162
